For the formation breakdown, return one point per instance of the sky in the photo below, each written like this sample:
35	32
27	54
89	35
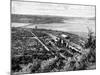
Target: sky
66	10
36	8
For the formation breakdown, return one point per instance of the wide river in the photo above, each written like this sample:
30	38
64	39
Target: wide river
80	25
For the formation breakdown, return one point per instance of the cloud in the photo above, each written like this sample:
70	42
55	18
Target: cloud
36	8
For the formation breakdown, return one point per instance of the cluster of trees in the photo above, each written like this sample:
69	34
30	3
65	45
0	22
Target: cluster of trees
91	45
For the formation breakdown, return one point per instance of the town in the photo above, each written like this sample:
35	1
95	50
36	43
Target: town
41	50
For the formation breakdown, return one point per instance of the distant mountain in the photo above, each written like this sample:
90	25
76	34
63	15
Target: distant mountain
42	19
36	19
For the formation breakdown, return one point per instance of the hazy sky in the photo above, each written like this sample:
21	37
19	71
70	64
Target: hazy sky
34	8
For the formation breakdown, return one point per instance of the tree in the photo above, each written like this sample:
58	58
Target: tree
91	39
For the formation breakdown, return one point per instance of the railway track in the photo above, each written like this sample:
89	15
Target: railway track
36	37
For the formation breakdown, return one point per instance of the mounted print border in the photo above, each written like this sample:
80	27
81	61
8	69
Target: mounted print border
52	37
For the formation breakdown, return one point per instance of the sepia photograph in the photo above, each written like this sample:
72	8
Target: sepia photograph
52	37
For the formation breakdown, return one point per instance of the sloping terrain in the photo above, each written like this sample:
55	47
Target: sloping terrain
36	51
